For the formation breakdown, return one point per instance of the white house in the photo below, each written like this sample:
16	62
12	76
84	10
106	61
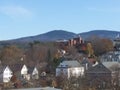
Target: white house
7	74
24	71
35	73
70	68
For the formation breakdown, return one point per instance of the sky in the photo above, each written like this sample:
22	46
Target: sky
21	18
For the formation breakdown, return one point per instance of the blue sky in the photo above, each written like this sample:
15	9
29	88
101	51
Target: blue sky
21	18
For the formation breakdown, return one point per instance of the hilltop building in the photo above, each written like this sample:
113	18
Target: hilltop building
77	42
116	43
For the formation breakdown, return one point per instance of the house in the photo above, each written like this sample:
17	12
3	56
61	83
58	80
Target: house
24	72
7	74
35	73
111	60
29	72
116	43
114	67
16	68
113	56
98	76
76	41
70	68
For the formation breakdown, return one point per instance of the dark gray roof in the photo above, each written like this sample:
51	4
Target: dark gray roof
30	70
99	68
16	67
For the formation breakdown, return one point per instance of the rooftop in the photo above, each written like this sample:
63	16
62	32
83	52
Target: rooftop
71	63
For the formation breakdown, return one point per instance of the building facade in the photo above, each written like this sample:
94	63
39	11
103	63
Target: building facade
70	68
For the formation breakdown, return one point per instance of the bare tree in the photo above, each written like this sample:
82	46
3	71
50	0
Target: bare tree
101	45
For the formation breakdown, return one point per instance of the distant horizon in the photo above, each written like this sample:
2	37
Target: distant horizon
21	18
58	30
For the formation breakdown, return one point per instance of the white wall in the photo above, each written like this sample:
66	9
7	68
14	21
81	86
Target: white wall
24	70
75	71
7	74
35	71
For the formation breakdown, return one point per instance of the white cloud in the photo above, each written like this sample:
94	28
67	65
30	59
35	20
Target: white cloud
15	11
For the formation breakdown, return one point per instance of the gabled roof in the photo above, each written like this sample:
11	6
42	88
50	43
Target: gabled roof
111	65
3	68
8	68
35	71
99	68
24	67
16	67
71	63
30	70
